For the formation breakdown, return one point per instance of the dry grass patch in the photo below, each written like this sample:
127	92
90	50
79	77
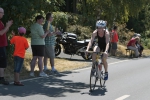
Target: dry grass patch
121	52
60	65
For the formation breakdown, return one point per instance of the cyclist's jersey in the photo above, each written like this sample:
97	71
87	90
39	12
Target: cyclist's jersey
101	42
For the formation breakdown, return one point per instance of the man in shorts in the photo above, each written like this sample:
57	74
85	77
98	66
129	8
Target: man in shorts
49	43
3	44
37	44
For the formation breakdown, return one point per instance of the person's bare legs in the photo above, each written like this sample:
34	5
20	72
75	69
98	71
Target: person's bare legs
16	77
104	60
33	61
96	49
40	64
2	72
45	61
52	61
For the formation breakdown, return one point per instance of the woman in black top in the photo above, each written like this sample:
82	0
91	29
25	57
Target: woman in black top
103	43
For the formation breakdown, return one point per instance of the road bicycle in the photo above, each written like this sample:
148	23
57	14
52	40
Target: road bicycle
97	72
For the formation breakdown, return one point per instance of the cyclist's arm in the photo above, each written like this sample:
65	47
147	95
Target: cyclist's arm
92	39
107	41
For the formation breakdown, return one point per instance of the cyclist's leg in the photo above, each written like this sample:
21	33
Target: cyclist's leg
104	60
96	49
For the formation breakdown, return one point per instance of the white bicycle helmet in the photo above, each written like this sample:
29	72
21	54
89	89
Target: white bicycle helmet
101	23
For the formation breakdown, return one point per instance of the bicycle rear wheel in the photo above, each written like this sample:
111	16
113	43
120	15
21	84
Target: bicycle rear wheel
93	78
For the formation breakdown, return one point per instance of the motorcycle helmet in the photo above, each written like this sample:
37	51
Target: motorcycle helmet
101	23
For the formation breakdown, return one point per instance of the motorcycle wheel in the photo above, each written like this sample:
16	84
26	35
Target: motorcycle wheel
89	56
57	50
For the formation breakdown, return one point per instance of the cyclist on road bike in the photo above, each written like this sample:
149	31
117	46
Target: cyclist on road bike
103	43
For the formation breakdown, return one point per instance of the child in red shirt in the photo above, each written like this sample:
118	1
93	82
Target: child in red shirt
21	45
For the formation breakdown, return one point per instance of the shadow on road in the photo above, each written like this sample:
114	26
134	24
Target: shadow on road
97	92
51	86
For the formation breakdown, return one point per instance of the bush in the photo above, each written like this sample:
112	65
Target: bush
148	45
60	20
76	19
82	32
72	19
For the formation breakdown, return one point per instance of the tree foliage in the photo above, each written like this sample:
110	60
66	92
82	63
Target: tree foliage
23	12
111	10
140	23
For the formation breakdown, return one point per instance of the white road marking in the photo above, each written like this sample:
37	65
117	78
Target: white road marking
123	97
118	62
54	86
28	79
108	64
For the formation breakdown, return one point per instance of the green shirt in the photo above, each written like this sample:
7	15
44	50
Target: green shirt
49	40
36	33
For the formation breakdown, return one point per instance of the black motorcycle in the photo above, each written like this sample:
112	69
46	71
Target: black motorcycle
70	45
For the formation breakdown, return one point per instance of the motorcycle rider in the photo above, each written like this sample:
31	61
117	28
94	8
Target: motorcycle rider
103	43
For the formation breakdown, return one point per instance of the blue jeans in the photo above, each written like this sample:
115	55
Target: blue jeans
18	62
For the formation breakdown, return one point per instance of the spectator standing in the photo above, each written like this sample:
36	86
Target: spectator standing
50	41
114	40
3	44
21	44
37	45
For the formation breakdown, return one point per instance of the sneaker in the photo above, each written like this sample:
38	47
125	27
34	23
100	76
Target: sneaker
46	70
54	71
42	74
18	84
32	74
106	76
4	82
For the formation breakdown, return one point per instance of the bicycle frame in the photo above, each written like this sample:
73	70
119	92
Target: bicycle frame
98	62
99	75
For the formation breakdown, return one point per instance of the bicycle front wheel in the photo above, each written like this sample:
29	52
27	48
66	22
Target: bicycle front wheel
93	79
102	81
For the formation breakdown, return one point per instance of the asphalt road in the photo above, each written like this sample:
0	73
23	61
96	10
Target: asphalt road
128	80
